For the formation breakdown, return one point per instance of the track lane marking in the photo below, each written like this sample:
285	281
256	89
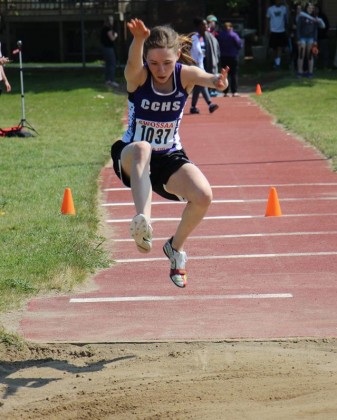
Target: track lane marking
244	235
305	184
173	298
177	219
234	256
225	201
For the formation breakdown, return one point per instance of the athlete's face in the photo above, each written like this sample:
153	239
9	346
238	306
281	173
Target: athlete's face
161	62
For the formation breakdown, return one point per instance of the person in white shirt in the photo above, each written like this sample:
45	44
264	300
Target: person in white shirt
277	22
198	53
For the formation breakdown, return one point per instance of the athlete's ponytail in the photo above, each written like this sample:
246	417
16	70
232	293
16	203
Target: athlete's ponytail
185	48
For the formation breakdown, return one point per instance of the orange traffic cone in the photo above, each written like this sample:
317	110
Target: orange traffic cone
273	205
258	89
68	204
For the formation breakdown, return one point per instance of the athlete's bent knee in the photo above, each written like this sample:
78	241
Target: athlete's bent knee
204	198
142	151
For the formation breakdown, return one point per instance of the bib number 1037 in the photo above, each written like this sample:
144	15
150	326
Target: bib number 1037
156	133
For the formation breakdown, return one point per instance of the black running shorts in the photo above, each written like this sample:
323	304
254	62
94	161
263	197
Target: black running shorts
162	166
278	40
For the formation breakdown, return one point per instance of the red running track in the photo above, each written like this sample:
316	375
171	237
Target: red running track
249	276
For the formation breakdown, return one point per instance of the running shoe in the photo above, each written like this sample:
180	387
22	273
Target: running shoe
213	107
178	260
141	232
194	110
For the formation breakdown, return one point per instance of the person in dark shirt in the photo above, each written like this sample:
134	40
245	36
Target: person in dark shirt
230	46
323	38
307	30
108	38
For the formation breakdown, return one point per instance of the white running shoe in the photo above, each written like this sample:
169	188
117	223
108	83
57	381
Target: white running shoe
141	232
178	260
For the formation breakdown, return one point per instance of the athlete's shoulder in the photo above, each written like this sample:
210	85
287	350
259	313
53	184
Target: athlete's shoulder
134	83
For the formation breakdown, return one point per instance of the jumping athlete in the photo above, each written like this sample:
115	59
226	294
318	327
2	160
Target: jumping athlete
150	155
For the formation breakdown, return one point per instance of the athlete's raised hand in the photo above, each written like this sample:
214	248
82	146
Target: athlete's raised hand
138	29
221	82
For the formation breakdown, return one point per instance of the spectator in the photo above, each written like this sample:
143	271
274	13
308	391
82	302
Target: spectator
108	38
212	23
294	12
198	53
322	37
212	52
3	78
307	31
277	23
230	46
4	60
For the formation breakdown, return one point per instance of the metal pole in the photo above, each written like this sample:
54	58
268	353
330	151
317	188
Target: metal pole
83	36
23	119
23	122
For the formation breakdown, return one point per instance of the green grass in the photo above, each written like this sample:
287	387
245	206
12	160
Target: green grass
307	108
10	341
77	119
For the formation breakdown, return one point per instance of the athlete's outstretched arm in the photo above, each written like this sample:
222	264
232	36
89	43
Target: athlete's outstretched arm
134	71
192	75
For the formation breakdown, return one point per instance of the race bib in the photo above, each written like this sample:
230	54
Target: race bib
159	134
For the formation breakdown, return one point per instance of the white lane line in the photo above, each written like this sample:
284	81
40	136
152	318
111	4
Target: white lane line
234	256
173	298
244	235
229	201
177	219
305	184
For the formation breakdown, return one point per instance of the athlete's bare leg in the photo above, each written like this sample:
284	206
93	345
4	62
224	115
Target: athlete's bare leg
135	160
190	183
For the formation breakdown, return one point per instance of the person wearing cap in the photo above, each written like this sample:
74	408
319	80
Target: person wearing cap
212	23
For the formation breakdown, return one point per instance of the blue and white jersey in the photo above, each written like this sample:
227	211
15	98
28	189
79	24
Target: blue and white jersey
155	117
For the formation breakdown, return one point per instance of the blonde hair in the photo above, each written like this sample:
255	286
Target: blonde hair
166	37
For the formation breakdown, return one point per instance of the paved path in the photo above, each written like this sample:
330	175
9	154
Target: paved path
250	276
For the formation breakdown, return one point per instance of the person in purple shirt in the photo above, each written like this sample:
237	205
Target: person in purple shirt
230	45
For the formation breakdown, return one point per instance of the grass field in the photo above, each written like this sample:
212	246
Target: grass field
307	108
77	119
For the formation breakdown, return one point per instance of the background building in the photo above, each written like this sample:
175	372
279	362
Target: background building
68	30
